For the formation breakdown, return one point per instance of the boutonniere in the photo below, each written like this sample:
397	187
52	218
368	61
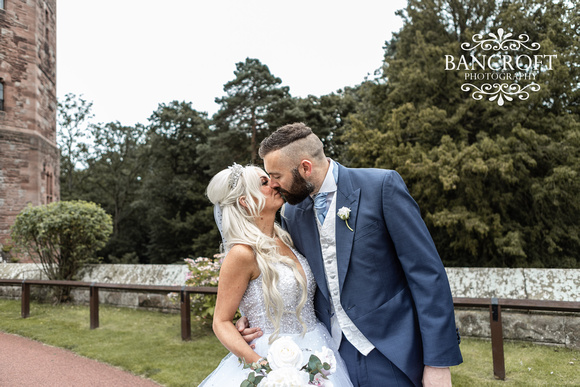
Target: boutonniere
344	214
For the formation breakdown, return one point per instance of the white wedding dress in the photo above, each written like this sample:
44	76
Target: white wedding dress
230	372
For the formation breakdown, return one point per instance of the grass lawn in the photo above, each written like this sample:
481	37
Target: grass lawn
149	344
526	364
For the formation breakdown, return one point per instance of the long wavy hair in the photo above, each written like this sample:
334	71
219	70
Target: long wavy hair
239	227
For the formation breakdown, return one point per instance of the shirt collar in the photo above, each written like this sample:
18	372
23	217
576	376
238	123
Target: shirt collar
329	183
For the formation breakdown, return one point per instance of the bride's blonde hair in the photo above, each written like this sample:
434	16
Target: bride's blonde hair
226	189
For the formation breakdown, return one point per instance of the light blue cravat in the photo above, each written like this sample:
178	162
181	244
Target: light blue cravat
320	206
320	199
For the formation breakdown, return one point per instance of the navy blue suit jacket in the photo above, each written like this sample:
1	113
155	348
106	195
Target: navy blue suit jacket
392	282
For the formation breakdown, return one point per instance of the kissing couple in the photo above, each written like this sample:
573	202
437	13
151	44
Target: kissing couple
351	271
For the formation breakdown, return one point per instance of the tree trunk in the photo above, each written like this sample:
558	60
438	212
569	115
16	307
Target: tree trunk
254	140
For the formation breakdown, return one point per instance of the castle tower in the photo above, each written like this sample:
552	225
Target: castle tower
29	157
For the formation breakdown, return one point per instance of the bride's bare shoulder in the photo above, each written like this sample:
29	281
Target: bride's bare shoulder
242	252
242	258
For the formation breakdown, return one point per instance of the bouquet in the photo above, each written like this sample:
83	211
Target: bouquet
284	367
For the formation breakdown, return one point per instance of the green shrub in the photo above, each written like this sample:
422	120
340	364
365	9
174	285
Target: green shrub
62	236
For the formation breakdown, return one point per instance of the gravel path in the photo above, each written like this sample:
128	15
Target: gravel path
25	362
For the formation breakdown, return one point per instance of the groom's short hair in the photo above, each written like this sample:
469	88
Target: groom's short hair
285	136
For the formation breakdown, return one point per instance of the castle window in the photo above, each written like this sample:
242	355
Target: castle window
1	86
46	23
1	4
49	188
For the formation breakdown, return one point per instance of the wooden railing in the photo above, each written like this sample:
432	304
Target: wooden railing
494	305
93	287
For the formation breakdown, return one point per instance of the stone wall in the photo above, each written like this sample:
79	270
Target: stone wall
114	274
533	284
561	329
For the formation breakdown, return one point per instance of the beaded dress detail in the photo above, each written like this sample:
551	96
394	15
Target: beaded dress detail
252	305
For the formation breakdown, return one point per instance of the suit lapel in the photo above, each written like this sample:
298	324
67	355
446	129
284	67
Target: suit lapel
345	197
311	242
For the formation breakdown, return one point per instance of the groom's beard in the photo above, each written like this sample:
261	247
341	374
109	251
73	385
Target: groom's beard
299	190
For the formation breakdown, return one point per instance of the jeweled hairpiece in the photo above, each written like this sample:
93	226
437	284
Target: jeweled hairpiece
236	172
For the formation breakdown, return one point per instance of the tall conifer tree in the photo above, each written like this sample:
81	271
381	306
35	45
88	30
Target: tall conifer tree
497	184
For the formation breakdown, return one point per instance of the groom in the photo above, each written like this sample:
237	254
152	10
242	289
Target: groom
382	290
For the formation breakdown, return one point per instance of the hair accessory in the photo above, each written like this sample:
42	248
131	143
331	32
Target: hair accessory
235	173
218	216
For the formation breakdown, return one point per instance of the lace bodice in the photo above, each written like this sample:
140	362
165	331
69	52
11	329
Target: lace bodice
252	304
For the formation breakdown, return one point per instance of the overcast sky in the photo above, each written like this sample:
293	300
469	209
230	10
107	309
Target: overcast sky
127	56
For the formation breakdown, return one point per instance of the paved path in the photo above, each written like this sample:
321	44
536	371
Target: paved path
25	362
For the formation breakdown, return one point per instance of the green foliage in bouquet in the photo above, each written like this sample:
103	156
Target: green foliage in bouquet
254	379
315	366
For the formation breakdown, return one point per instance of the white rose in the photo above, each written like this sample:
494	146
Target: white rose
326	355
343	213
285	377
284	353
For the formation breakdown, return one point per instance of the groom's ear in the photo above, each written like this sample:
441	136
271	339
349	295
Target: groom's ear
306	167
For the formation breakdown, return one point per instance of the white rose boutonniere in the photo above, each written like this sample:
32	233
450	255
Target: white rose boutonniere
344	214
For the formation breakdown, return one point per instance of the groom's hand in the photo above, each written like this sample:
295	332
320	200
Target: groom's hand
440	377
249	334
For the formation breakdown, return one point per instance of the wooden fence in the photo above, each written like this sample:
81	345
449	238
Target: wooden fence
93	287
494	305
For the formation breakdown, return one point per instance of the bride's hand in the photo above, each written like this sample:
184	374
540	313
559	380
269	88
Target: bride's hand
249	334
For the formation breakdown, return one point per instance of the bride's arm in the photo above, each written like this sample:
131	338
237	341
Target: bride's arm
238	269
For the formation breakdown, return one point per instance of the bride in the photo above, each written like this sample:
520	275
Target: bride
263	276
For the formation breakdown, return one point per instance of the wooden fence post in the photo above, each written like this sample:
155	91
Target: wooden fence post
25	301
185	315
94	305
496	339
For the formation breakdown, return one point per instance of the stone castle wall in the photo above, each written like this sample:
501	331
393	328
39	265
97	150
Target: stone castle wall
29	158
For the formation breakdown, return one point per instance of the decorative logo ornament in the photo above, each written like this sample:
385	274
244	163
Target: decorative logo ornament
489	60
500	42
500	91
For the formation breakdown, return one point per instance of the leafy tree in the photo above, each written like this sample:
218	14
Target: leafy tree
102	163
244	117
179	216
113	179
62	236
495	183
73	116
326	115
